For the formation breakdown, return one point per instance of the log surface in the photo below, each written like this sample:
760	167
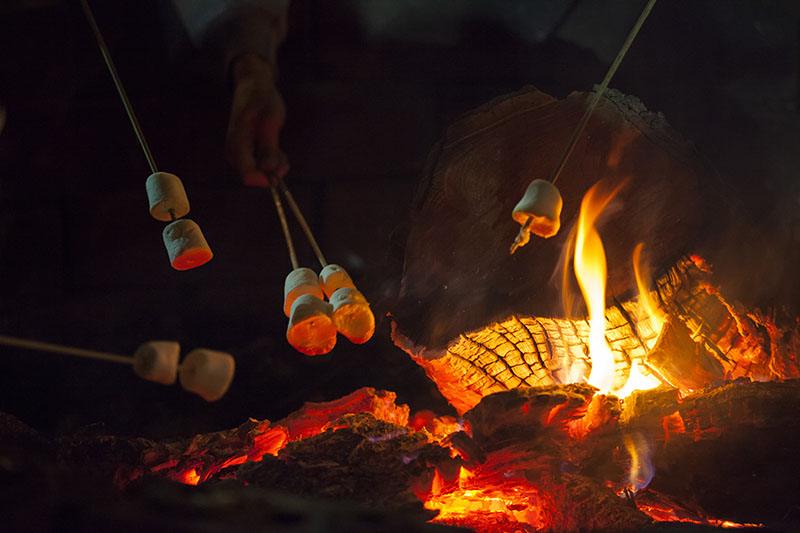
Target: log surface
458	274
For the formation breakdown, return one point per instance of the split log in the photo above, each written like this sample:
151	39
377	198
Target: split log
706	341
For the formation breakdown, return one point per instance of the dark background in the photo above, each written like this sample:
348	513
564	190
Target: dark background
369	87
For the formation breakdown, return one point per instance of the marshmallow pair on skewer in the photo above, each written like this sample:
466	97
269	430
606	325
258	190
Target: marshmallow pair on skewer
313	322
186	246
207	373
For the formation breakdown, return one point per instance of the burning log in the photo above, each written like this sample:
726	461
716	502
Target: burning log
480	321
730	455
458	275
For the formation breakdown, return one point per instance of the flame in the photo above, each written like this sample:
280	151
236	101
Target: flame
638	379
650	313
590	270
642	469
463	476
648	308
437	483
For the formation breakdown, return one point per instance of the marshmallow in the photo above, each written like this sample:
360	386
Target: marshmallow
352	315
311	330
334	277
165	193
186	246
541	203
300	281
207	373
157	361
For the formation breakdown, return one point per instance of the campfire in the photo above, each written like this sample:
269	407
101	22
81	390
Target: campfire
606	381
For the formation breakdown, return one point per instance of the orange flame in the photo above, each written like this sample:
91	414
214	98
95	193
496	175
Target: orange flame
650	315
463	477
590	270
647	306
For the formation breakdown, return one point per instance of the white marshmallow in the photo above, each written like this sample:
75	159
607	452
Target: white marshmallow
334	277
186	246
300	281
157	361
165	192
352	315
207	373
542	203
311	330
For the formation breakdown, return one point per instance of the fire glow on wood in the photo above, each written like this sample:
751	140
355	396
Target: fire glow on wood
516	462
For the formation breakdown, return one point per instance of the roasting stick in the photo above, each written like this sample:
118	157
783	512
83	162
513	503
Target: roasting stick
285	226
524	232
186	246
123	95
303	224
16	342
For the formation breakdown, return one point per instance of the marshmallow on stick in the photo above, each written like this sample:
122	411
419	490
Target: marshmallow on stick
334	277
311	330
352	316
542	204
167	196
157	361
300	281
186	246
207	373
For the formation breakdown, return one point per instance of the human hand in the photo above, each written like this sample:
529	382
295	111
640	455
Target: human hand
256	119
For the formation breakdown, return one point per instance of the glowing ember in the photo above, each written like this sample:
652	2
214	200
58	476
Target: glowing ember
488	500
190	477
661	509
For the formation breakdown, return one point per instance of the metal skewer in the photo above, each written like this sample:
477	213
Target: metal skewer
303	224
40	346
285	226
123	95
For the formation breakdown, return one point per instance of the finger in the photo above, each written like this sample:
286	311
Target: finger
240	143
274	165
